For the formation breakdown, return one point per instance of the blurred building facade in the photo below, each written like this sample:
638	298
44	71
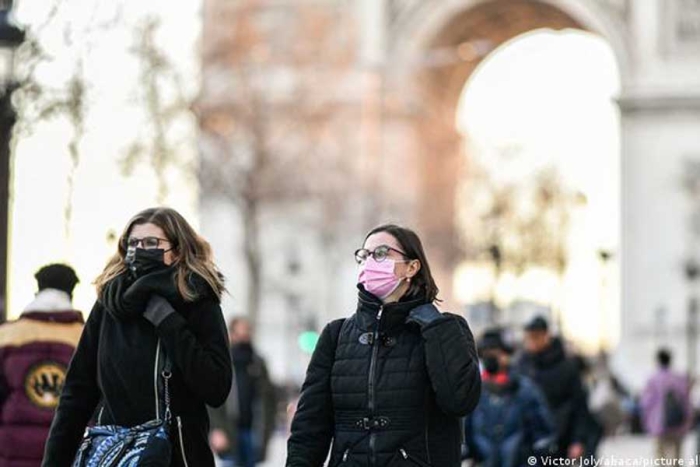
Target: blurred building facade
343	113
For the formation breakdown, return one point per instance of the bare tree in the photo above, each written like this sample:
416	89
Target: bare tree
159	90
270	117
158	143
37	101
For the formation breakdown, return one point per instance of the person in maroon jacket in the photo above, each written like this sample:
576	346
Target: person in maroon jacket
34	353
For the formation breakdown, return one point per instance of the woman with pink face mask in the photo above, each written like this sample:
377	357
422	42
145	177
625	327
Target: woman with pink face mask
387	386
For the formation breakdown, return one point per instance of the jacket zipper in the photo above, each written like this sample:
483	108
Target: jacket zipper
427	446
182	441
155	379
414	460
372	370
344	458
427	426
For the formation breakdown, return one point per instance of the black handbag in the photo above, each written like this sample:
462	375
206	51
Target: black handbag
147	444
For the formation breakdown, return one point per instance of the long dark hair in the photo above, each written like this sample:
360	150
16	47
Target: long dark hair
422	284
194	253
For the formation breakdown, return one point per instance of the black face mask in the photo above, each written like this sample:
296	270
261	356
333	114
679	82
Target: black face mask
491	364
141	261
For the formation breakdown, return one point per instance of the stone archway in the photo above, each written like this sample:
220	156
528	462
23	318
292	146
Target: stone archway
436	46
399	135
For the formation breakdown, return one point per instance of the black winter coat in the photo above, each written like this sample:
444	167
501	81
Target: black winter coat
558	377
113	375
386	392
252	388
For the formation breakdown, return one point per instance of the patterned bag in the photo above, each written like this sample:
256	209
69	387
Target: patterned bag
143	445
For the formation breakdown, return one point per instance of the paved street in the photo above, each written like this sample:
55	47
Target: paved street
626	447
639	447
276	454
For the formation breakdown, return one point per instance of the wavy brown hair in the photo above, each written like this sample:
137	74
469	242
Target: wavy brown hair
194	254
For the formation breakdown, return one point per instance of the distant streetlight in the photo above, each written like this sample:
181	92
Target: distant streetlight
605	255
604	343
692	270
496	256
11	37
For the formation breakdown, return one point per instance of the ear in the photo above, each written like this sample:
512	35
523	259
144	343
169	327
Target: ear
175	256
413	268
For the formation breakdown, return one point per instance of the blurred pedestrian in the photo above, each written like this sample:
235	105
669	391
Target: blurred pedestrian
610	402
158	307
35	351
389	384
242	427
593	430
512	422
546	363
666	407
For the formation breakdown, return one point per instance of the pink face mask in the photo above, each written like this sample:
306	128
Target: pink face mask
378	278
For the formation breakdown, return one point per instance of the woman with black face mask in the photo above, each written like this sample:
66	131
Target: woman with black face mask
158	301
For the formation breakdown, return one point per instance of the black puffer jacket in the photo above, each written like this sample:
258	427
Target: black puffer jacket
389	393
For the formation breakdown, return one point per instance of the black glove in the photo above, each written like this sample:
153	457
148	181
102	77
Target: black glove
423	315
157	310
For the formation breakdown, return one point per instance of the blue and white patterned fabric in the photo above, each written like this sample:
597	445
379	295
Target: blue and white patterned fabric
116	446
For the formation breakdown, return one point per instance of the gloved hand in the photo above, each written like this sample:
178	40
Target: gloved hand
160	282
423	315
157	310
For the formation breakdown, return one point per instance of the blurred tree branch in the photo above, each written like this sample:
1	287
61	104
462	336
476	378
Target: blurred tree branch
158	142
271	118
44	97
525	221
36	101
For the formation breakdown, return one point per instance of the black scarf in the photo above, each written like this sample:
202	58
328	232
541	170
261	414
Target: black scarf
126	298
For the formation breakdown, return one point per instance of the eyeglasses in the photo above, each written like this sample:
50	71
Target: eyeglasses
147	243
379	254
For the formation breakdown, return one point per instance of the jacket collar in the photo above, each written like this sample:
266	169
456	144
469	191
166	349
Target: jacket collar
50	300
393	314
552	355
66	317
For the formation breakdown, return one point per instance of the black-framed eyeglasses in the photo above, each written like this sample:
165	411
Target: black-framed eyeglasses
379	254
147	243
